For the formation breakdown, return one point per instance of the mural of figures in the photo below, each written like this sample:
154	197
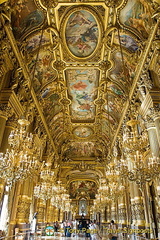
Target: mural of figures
83	149
122	73
25	16
114	105
34	41
126	41
44	73
77	187
81	33
82	85
137	14
51	105
83	132
115	90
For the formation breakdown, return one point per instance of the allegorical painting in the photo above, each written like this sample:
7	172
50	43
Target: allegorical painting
42	70
137	14
51	104
115	90
39	38
76	187
83	132
124	69
82	90
82	33
126	41
114	105
82	149
25	16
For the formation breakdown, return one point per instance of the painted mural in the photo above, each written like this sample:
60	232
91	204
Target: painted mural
114	105
83	132
82	149
126	41
82	90
34	41
43	73
25	16
137	14
82	33
51	105
115	90
122	72
77	187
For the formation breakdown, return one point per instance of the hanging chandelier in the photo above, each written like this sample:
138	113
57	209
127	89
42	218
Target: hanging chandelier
140	170
19	162
61	199
46	188
137	167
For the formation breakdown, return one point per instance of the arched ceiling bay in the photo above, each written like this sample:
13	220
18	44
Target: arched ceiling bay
82	58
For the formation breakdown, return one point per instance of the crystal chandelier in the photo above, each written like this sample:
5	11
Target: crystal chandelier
43	191
137	167
60	198
132	141
46	188
19	162
140	170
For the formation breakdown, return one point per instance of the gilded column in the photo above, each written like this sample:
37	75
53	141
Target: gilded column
24	202
41	211
103	215
108	213
153	139
139	207
122	211
133	214
113	211
3	118
56	212
155	112
10	125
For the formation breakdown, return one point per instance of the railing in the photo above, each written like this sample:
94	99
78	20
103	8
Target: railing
26	235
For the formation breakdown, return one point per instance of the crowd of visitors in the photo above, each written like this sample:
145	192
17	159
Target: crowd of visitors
85	228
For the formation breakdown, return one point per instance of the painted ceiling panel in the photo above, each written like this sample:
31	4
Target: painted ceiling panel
82	90
77	187
137	15
82	33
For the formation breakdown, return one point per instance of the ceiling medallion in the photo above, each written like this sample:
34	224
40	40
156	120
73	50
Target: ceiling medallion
81	32
83	132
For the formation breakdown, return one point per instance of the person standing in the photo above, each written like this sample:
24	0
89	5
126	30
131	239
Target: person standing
113	229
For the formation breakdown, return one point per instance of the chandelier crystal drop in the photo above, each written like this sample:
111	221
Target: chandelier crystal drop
19	162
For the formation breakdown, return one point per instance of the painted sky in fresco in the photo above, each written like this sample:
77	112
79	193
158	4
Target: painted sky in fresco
82	90
82	33
83	132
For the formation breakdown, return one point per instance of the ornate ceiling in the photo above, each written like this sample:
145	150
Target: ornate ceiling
82	58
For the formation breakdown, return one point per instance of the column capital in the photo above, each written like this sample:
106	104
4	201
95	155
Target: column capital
155	113
5	111
149	121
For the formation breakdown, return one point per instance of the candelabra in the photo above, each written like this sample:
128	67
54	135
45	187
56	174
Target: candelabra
139	168
19	162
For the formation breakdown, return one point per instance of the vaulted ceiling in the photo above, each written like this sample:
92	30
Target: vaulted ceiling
82	58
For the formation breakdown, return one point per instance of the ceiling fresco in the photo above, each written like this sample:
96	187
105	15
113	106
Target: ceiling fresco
82	33
78	187
82	58
82	90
